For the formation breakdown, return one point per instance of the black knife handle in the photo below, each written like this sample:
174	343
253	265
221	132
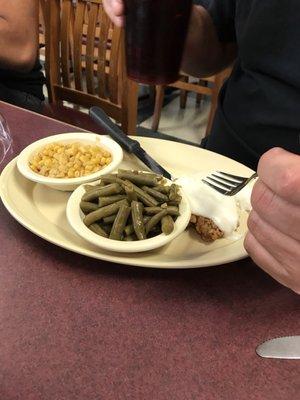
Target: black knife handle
101	118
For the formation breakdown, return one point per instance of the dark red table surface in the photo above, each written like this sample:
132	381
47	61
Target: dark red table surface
77	328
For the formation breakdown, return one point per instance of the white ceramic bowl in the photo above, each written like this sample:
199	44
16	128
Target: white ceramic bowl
75	217
69	184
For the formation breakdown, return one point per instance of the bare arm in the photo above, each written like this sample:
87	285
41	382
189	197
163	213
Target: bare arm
18	34
204	54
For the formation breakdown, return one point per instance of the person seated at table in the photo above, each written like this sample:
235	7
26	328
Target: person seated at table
259	110
21	79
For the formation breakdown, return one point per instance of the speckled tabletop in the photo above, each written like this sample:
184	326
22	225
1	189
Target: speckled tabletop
74	328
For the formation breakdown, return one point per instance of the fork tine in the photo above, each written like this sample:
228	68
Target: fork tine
231	187
230	181
236	177
219	182
217	188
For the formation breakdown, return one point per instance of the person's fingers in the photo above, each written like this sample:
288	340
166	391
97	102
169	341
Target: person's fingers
276	211
268	263
284	248
280	171
114	7
115	11
118	21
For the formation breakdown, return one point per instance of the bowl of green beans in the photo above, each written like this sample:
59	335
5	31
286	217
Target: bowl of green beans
129	211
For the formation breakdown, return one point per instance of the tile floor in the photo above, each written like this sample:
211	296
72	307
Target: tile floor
188	124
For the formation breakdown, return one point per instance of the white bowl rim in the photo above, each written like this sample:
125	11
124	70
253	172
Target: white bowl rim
74	216
102	140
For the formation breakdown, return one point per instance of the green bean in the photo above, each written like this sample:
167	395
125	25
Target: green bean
103	212
175	202
147	199
142	195
138	179
135	172
154	231
106	228
173	195
129	229
120	222
87	207
98	230
89	192
146	218
155	220
88	188
153	175
155	210
137	219
105	201
92	189
156	194
163	189
108	190
131	195
167	225
109	220
130	238
111	178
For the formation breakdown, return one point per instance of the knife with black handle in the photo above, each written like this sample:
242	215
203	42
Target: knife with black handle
130	145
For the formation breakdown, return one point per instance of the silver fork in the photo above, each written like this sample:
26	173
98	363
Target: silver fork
227	184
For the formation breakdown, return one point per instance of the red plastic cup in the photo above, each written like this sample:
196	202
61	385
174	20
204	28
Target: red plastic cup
155	34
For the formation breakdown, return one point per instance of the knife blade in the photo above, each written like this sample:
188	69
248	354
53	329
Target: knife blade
130	145
287	347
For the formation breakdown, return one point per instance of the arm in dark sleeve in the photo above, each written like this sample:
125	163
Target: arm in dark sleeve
222	13
211	41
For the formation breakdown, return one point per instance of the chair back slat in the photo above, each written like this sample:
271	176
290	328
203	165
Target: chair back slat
113	65
92	17
66	59
103	55
78	34
52	62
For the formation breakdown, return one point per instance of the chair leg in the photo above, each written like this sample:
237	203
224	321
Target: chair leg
152	93
199	95
183	93
214	102
210	119
159	98
130	105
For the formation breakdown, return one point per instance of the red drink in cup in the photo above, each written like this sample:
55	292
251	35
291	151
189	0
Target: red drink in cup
155	35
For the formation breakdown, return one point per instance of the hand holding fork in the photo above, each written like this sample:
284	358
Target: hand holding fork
273	241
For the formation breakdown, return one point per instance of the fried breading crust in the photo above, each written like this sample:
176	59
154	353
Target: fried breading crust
206	228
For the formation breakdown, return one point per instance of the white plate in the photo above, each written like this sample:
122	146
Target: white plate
42	211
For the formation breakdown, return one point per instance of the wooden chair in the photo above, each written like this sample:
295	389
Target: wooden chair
204	86
85	63
42	23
